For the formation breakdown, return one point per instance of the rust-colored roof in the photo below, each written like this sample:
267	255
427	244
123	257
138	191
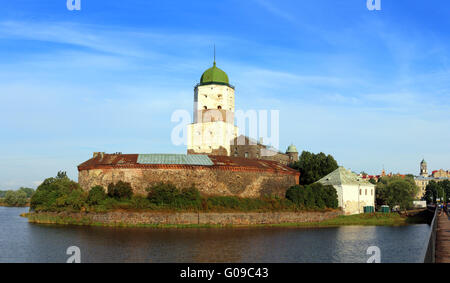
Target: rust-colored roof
109	161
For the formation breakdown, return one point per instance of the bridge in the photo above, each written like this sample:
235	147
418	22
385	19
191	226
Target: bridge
438	244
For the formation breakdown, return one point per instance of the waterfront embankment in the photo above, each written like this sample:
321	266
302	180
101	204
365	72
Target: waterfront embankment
191	219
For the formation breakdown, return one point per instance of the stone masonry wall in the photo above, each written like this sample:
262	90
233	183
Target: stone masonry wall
208	181
187	218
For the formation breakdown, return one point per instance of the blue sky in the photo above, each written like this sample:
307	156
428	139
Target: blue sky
372	88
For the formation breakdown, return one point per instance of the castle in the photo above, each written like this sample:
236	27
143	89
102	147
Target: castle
218	161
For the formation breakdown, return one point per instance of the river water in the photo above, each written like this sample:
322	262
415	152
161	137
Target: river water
21	241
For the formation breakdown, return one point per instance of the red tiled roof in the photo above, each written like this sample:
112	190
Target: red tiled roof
109	161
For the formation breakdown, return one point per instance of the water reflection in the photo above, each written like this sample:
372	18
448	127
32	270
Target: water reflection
24	242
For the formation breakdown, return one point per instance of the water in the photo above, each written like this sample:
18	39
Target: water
21	241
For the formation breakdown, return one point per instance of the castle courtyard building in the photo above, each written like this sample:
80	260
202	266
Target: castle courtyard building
354	192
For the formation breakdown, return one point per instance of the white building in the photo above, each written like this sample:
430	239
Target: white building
354	193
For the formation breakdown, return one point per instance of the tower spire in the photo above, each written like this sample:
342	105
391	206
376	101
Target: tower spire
214	54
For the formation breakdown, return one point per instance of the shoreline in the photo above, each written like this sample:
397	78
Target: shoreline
88	219
6	205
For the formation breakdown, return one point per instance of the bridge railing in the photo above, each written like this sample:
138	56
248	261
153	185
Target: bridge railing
429	255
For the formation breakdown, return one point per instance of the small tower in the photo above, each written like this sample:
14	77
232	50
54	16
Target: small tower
423	168
292	152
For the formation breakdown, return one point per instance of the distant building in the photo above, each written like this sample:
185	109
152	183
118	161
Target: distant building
383	174
424	179
354	192
441	173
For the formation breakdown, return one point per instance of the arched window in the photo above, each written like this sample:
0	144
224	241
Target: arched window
219	107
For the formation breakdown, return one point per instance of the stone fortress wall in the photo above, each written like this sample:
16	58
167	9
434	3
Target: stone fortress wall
227	177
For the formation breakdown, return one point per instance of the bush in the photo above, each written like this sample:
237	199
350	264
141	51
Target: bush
121	190
313	196
170	195
140	202
96	195
56	194
15	198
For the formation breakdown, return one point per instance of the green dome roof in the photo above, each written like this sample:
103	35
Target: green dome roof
214	75
292	149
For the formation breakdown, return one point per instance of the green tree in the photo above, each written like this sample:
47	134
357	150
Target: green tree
431	192
395	191
372	181
56	194
16	198
313	167
28	191
445	190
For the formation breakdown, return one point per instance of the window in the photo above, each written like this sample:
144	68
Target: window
220	96
366	192
371	192
246	155
205	107
360	192
219	107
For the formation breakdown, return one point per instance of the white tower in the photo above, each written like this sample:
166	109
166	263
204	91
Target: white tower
213	129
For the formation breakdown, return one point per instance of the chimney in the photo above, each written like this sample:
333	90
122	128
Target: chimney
97	154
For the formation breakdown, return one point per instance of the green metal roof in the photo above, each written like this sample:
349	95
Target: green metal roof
292	149
342	176
178	159
214	75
